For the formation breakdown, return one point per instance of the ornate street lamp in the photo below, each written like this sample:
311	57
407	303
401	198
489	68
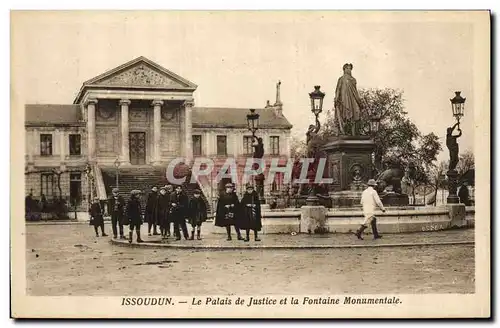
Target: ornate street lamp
457	107
117	166
374	127
316	98
374	124
88	172
253	121
253	126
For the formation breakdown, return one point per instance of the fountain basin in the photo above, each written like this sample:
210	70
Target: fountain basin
347	220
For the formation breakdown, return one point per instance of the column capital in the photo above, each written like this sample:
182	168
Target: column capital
188	103
125	102
157	102
91	101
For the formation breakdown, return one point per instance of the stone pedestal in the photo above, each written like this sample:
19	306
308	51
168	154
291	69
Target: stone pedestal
457	215
349	161
452	187
393	199
346	198
313	219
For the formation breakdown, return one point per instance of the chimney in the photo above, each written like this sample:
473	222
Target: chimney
278	105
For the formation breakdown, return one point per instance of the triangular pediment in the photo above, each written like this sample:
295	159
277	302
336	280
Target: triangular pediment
143	73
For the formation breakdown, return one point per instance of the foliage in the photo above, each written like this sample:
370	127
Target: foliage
298	147
465	162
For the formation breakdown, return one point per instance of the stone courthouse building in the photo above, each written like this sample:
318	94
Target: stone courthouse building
124	127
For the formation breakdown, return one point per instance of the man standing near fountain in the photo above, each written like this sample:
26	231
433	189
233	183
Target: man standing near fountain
370	201
347	103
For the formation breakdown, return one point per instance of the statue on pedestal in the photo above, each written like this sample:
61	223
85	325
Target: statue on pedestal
312	139
347	104
452	144
258	152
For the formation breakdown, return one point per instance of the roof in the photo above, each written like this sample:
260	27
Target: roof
236	118
52	114
153	76
202	116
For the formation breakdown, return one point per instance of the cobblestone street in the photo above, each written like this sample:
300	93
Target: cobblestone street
70	260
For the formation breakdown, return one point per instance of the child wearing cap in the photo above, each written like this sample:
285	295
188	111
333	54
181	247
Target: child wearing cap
197	211
162	211
178	210
134	213
97	217
228	208
251	215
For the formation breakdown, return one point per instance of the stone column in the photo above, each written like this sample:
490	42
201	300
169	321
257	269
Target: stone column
30	145
62	148
91	103
188	107
157	131
125	155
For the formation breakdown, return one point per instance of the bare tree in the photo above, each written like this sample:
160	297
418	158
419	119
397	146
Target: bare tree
465	162
438	179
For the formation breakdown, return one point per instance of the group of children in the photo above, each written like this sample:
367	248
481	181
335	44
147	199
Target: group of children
163	209
169	206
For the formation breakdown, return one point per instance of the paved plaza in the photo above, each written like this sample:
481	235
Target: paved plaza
70	260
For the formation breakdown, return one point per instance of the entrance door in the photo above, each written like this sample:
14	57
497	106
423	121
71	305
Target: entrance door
137	144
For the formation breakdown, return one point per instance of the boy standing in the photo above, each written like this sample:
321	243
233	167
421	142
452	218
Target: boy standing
197	213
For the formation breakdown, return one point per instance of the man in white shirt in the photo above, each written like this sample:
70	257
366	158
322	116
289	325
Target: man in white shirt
370	201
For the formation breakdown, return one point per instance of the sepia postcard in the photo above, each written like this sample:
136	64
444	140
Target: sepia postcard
250	164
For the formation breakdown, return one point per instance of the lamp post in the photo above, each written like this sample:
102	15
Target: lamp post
88	172
374	127
117	166
253	126
316	98
457	107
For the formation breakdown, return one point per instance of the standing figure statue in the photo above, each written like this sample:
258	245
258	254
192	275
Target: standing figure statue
452	144
311	138
258	152
347	103
258	146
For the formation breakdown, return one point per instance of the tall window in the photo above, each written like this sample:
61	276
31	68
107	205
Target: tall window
47	185
222	145
275	145
46	144
75	142
197	145
247	145
75	188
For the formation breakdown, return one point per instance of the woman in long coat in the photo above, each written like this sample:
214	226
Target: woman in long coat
250	218
151	211
97	217
134	213
228	209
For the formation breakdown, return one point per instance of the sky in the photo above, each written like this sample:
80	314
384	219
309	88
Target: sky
236	59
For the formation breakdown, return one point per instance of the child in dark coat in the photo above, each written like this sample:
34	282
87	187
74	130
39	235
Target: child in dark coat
97	217
250	218
134	213
228	209
197	212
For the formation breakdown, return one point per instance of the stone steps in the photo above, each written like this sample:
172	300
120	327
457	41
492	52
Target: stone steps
142	178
